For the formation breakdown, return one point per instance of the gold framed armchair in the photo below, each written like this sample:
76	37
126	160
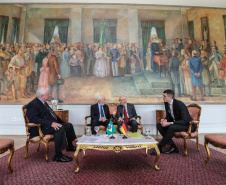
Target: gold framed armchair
45	139
195	112
112	108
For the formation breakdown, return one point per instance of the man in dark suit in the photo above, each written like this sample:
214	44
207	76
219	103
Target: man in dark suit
177	120
126	113
100	114
39	112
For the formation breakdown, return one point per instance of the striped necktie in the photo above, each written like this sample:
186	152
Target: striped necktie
50	110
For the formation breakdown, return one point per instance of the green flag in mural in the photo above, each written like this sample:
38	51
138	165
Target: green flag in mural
101	34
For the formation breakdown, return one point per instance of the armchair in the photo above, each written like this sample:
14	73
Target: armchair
45	139
195	112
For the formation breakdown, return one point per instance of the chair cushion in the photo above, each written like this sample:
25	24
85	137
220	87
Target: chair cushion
5	143
185	134
46	138
194	112
218	140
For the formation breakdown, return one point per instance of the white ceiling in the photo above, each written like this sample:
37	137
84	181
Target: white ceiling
194	3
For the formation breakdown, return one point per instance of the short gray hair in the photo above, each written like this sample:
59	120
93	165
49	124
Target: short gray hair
41	91
99	97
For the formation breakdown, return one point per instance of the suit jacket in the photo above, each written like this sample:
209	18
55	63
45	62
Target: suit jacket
38	113
54	69
95	113
180	111
130	111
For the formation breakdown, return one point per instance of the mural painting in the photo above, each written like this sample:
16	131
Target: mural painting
80	51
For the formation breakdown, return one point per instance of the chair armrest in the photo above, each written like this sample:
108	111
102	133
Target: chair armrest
86	123
190	125
86	120
29	125
139	120
33	125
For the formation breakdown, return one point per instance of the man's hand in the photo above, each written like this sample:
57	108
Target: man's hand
103	119
56	126
114	113
120	119
164	123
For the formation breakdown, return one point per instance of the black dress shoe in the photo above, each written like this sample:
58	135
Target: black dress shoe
61	159
172	150
154	153
67	157
71	149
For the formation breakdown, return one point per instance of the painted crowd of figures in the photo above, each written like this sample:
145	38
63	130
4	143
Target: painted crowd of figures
190	65
24	65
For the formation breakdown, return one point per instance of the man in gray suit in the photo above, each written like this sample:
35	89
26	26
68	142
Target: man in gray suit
126	113
89	60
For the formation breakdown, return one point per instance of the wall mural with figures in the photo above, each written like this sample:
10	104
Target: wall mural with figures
80	51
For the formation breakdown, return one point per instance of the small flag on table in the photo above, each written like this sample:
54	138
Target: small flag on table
111	128
124	129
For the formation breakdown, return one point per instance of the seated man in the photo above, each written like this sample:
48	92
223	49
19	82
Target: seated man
126	113
100	114
39	112
177	120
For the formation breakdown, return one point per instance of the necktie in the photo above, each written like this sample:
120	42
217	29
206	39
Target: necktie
51	111
101	111
169	110
125	115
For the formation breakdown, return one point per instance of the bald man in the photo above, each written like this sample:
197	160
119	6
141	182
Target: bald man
126	113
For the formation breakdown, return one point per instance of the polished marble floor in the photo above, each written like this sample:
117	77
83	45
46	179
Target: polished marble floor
19	141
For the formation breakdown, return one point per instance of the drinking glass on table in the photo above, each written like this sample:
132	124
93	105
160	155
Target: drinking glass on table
96	128
88	130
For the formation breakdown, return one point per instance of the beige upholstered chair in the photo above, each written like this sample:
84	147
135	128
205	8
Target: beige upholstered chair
6	144
45	139
112	108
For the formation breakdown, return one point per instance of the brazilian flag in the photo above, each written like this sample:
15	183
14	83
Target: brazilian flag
111	128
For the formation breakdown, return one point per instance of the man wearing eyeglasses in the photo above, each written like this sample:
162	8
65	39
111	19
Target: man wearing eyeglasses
126	113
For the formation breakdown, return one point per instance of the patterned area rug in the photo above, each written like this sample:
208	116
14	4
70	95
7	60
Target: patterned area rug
126	167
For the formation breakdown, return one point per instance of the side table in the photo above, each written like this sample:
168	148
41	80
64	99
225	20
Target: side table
62	114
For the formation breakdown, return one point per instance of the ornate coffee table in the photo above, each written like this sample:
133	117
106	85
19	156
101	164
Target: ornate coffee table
118	144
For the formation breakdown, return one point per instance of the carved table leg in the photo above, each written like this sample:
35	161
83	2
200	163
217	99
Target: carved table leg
76	158
10	158
84	153
157	157
208	152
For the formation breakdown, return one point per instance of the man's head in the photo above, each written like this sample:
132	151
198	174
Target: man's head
43	93
182	51
168	95
101	99
194	53
122	100
174	52
214	49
